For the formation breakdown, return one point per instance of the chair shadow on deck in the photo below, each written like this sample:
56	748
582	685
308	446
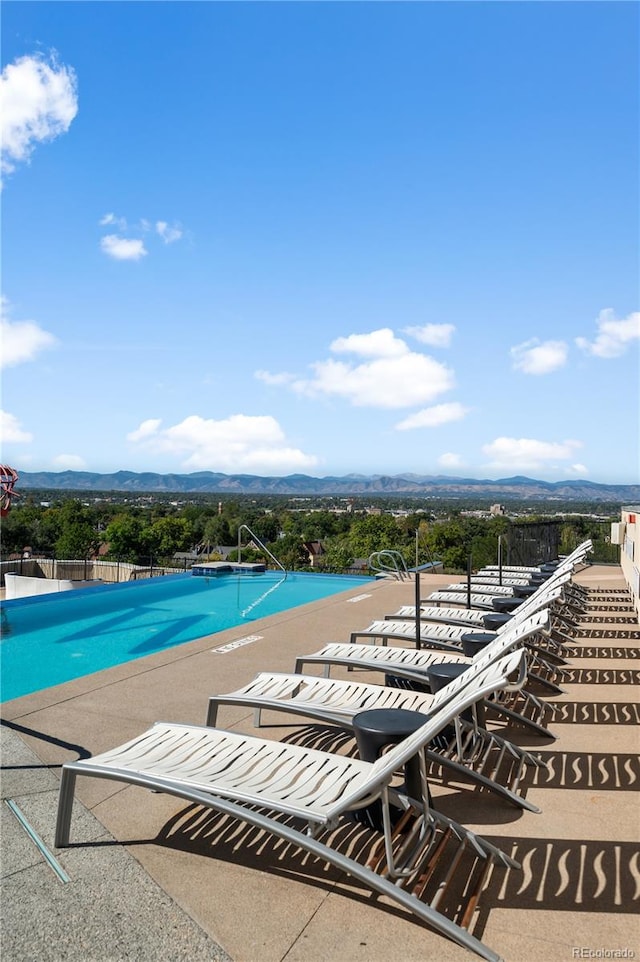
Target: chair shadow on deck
557	874
605	651
601	676
587	771
595	713
568	875
199	831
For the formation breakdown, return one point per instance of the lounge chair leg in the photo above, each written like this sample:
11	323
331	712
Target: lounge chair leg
65	805
212	713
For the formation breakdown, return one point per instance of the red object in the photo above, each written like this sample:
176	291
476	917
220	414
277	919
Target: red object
8	478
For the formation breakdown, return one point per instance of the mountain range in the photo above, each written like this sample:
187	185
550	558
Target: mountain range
205	482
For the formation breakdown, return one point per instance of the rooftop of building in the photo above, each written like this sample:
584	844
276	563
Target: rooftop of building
151	877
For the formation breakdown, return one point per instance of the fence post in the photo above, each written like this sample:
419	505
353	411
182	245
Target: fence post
469	581
417	603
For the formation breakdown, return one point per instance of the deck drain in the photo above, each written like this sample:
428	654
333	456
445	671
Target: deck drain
51	860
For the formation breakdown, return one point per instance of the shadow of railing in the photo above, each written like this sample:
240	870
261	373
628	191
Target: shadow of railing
77	750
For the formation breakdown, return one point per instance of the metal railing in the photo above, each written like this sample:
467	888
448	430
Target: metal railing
389	562
259	544
83	569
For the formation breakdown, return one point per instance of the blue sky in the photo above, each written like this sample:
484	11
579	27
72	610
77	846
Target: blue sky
322	238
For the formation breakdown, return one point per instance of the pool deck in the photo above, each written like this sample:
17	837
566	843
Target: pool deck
147	879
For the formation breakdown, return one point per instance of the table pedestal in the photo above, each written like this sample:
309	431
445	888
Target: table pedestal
439	677
376	729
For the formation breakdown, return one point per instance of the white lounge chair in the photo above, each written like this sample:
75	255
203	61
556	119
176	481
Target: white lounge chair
493	578
548	594
473	600
575	558
522	707
258	781
508	574
451	638
504	591
338	702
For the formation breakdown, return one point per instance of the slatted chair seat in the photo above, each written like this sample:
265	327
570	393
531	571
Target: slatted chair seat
257	781
473	600
497	590
336	701
547	595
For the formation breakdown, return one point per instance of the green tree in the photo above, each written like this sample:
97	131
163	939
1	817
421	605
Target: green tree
266	528
167	535
126	537
20	529
338	555
77	536
217	532
290	552
78	540
375	533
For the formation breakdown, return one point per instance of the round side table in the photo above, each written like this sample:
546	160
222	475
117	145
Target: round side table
376	729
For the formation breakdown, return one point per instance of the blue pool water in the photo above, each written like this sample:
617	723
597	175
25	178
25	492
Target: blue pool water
55	638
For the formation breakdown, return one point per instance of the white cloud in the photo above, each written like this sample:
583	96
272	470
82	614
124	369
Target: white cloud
122	248
69	462
435	335
110	220
434	416
20	341
11	431
392	382
382	343
526	454
536	357
450	460
146	430
579	470
38	103
238	443
390	376
614	336
274	379
167	233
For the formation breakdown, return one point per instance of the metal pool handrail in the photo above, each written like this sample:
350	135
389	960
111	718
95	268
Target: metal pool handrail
259	543
390	561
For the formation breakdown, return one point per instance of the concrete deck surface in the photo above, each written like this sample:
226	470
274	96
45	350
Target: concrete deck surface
151	877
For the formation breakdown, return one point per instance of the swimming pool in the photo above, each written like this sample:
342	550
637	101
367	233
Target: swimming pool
54	638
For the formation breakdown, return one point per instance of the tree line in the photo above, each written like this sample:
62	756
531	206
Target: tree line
71	528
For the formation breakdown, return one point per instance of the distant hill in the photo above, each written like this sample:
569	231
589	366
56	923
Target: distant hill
205	482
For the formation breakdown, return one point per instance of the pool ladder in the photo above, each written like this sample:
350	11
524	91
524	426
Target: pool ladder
256	540
388	562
